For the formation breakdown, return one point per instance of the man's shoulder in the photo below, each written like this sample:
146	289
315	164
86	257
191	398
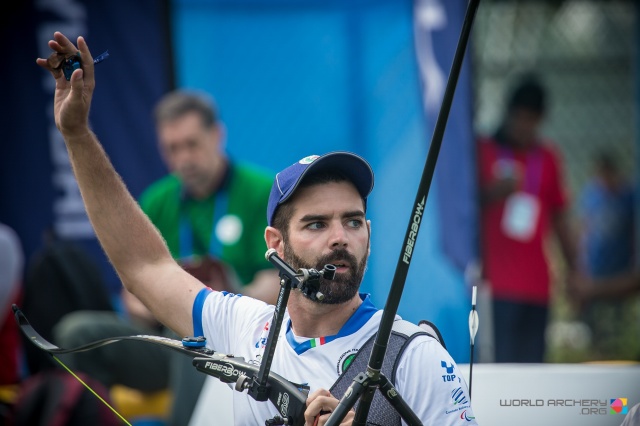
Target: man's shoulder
410	330
406	328
407	335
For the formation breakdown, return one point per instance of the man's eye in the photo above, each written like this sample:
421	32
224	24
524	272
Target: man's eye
315	225
354	223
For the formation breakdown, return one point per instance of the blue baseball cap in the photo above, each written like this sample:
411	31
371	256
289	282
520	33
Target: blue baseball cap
352	166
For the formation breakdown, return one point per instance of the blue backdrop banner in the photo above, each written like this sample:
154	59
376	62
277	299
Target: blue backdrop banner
299	78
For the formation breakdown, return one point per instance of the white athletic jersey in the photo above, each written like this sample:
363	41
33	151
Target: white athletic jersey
427	377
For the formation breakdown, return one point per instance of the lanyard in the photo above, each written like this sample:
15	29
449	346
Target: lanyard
186	248
533	168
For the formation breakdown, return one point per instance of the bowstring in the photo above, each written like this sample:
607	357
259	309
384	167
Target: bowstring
91	390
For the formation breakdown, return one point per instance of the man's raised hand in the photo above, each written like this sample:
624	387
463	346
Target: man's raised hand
72	98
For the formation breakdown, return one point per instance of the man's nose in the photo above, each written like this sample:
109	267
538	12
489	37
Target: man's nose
338	236
182	157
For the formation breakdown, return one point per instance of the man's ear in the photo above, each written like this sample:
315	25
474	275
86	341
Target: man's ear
273	238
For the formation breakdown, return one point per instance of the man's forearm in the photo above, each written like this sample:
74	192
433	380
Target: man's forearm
131	242
124	231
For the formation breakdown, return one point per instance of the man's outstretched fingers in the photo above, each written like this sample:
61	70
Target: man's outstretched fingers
64	45
62	48
86	60
44	63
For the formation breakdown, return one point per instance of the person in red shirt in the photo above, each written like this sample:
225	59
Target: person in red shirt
523	202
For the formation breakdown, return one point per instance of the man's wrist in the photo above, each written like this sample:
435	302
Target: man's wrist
77	135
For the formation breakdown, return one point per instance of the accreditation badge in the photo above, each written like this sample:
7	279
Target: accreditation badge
520	216
229	229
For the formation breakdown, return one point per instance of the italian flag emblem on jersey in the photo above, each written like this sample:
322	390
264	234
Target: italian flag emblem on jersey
318	341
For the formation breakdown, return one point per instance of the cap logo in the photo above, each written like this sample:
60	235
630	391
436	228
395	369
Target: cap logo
308	160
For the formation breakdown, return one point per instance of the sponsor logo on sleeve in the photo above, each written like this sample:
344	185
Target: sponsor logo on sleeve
459	397
448	376
460	403
465	416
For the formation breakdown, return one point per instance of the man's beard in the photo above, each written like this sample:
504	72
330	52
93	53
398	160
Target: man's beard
344	286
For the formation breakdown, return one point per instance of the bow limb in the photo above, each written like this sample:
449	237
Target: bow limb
42	343
289	398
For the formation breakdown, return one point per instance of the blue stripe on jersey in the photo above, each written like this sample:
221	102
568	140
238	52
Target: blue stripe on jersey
359	318
196	312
